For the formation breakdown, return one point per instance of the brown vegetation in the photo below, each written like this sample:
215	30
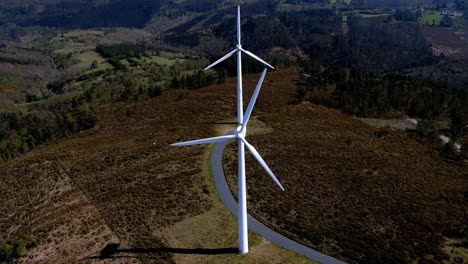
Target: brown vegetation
361	194
119	182
355	192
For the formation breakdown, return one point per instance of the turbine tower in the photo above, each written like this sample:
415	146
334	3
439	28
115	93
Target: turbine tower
239	135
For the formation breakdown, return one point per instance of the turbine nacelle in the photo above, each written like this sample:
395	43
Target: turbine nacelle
240	133
236	50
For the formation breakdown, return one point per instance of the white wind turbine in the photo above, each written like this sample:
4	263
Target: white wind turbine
240	137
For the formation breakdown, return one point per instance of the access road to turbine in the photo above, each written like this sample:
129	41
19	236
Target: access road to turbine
228	200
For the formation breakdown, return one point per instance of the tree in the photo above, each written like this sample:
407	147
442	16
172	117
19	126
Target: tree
175	83
94	65
464	151
446	21
126	94
154	91
457	124
222	74
85	120
3	131
6	252
183	82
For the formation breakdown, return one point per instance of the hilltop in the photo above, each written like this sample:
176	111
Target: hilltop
121	183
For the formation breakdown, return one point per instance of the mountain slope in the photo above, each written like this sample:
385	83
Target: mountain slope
361	194
353	191
120	183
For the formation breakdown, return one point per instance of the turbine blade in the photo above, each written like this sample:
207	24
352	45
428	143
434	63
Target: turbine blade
262	162
238	26
257	58
222	59
204	141
250	107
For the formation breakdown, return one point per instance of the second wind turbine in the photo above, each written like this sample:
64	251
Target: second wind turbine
239	135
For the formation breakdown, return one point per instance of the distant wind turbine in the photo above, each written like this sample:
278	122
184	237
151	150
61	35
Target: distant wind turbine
240	136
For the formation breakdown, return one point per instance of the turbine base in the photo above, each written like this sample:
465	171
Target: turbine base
243	252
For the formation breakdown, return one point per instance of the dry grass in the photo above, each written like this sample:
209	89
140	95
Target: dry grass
217	229
119	183
400	124
352	191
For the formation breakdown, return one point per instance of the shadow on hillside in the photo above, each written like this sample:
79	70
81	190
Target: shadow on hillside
112	251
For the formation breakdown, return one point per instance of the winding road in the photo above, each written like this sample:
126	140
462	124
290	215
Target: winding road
231	204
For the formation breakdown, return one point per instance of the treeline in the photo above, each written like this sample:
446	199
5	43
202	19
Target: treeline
461	4
119	13
125	50
198	6
259	33
319	33
16	248
19	133
365	94
398	46
407	14
55	116
19	61
195	81
50	119
263	33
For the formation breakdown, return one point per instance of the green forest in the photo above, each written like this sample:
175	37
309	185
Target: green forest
366	94
48	118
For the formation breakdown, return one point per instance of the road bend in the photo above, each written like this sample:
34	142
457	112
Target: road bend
231	204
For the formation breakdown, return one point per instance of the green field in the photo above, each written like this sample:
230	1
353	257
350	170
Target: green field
162	60
430	19
100	67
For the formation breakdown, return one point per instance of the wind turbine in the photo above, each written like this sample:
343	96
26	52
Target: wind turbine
239	135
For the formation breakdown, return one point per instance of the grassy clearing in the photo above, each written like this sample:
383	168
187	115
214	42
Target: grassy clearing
163	61
171	55
79	33
65	51
381	16
86	58
100	67
347	2
391	123
10	81
430	19
125	62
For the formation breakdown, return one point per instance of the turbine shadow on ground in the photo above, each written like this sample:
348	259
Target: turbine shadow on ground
112	251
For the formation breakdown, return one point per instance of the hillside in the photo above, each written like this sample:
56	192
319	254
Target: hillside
121	184
355	192
79	13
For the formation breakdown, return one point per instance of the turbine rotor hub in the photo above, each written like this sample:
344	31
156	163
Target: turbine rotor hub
239	132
